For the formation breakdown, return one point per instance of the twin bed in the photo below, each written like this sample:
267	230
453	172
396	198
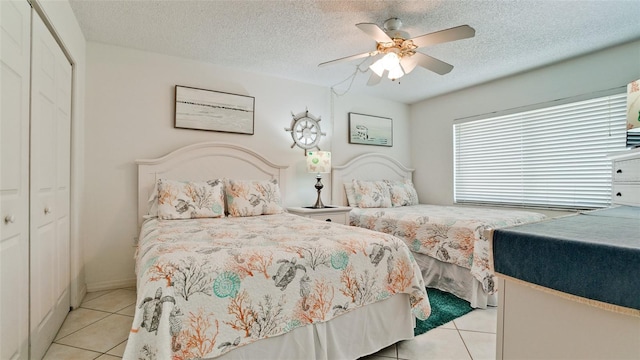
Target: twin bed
258	283
448	242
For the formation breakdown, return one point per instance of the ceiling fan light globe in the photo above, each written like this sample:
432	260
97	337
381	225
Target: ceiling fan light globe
396	73
390	61
377	67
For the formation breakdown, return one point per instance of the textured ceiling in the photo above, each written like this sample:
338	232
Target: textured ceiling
289	39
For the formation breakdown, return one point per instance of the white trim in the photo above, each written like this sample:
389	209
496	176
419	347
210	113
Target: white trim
110	285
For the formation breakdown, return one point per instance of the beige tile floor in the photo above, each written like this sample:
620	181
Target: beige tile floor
98	329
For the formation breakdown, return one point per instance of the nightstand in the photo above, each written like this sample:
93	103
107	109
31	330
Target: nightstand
337	214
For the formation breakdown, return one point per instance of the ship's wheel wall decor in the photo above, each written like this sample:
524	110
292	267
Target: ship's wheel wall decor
305	130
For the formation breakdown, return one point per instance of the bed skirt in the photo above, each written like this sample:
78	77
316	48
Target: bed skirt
357	333
456	280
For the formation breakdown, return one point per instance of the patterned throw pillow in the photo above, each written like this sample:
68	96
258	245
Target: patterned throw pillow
351	193
402	192
372	194
190	200
252	197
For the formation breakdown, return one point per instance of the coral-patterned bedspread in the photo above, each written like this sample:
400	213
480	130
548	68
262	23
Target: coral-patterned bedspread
452	234
207	286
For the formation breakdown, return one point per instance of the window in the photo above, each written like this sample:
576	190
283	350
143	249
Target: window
552	157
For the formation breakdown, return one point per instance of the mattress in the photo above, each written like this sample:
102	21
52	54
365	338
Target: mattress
209	286
450	234
594	255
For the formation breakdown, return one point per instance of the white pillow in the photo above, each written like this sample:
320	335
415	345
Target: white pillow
372	194
253	197
190	200
351	193
402	192
152	203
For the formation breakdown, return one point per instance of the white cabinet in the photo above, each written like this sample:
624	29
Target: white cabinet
540	324
34	183
625	189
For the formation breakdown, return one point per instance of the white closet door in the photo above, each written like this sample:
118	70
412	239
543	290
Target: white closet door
15	29
50	181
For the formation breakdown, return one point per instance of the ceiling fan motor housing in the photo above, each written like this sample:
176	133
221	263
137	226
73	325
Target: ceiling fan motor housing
392	28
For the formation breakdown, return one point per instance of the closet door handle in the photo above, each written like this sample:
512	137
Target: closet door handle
619	194
9	219
47	210
619	171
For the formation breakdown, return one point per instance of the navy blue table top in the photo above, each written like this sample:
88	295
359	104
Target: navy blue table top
594	254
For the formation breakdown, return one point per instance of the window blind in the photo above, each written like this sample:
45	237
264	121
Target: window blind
551	157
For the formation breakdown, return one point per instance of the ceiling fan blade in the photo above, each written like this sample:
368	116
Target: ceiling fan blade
374	79
433	64
375	32
408	63
455	33
348	58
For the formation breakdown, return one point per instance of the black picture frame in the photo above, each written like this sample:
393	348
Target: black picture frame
211	110
370	130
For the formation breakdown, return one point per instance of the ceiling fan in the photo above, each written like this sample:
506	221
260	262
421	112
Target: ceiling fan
396	52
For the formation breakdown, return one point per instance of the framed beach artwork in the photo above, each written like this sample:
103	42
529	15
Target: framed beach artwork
370	130
210	110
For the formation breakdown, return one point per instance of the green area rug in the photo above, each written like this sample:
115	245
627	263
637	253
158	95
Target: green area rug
444	308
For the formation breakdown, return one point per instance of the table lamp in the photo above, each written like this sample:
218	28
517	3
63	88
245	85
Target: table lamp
318	162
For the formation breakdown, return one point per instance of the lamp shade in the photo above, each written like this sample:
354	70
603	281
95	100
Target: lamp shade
319	161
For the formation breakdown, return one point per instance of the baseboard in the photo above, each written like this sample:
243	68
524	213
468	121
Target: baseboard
110	285
79	296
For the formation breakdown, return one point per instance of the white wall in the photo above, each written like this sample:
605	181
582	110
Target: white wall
130	115
399	114
62	21
432	120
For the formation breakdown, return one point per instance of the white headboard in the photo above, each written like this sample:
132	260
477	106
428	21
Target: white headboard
371	166
205	161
